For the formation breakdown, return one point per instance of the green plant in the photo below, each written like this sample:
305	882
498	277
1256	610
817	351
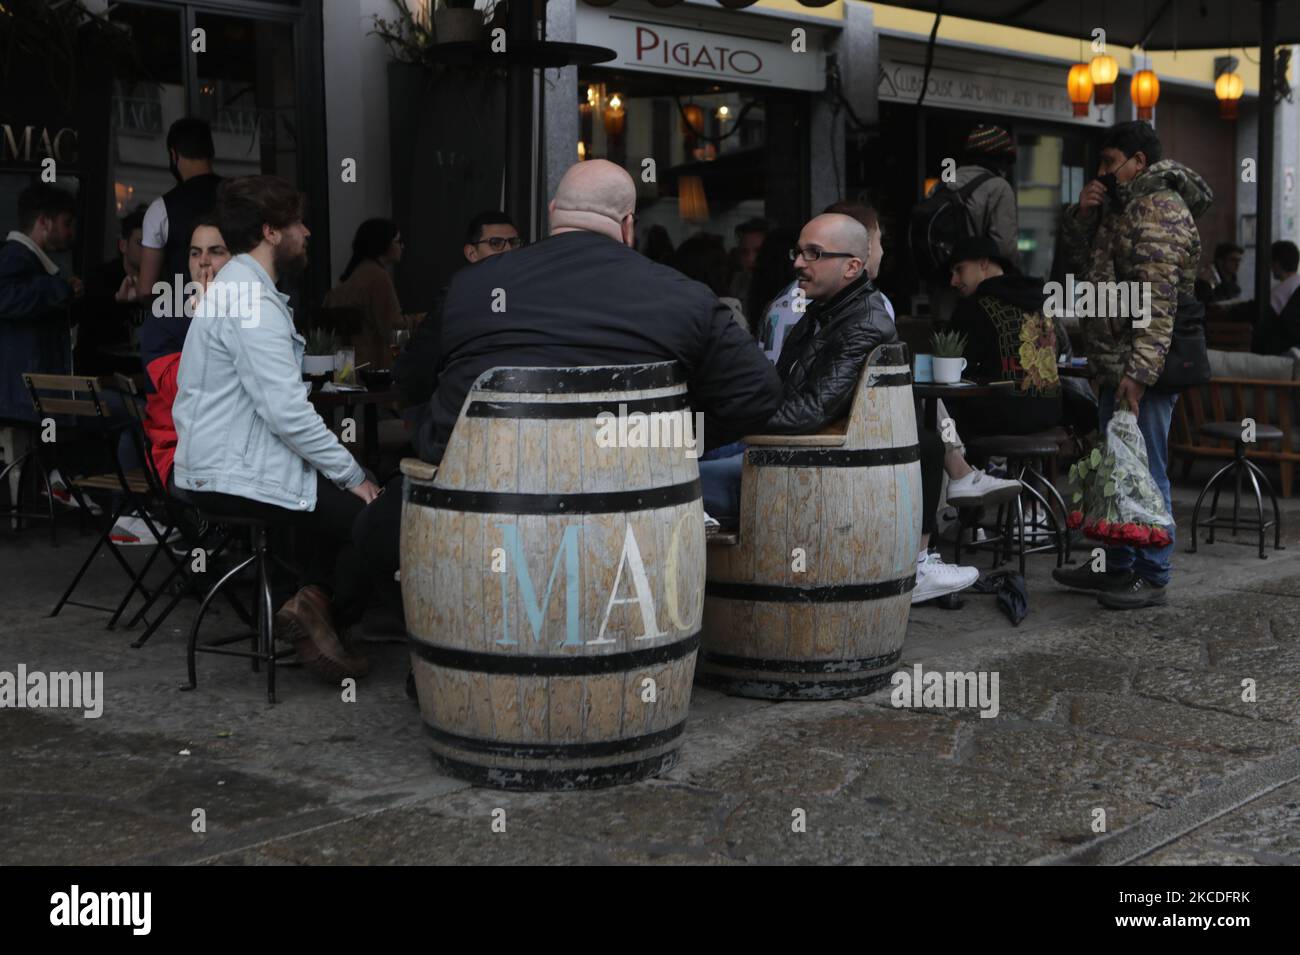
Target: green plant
947	344
320	341
68	40
408	37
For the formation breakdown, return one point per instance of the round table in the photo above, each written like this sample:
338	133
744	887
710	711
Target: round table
929	393
370	402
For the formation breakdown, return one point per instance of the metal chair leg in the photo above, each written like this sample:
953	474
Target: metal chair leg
1277	512
1259	508
198	619
1211	484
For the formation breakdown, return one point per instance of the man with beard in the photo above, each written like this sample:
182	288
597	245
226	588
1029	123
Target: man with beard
249	441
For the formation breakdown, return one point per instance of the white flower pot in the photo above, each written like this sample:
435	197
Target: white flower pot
317	364
947	371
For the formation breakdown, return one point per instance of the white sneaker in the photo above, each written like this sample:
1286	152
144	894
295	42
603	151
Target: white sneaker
934	578
61	494
980	488
130	531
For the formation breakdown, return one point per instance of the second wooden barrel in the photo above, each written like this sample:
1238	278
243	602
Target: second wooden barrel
813	602
553	578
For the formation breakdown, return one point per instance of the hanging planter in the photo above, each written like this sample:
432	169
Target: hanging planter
456	21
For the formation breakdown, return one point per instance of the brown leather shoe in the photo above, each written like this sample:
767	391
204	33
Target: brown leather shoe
307	619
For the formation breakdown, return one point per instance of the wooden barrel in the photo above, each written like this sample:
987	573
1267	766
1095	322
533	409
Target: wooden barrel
553	578
813	601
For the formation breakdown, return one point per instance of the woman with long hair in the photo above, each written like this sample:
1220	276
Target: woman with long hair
367	285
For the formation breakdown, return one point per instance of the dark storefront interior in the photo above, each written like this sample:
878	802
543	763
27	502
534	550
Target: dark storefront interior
734	152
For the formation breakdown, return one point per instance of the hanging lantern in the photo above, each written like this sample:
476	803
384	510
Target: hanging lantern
1145	90
1228	88
615	116
1104	70
1080	86
692	120
692	205
723	113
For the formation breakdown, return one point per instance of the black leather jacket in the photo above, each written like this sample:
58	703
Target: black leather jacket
824	355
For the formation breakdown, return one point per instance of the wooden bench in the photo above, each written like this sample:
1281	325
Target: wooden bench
812	599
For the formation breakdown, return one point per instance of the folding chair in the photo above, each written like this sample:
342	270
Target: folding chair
195	534
19	447
131	487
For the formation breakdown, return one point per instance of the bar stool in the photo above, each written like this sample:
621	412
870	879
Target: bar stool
261	561
1240	468
1028	457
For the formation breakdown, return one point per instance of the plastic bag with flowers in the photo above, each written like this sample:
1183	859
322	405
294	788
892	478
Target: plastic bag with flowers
1116	499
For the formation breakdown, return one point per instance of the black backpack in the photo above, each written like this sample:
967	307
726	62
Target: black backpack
939	222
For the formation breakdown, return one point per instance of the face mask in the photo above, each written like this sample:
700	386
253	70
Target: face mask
1111	182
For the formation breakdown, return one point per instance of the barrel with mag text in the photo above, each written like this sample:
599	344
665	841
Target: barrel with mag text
553	577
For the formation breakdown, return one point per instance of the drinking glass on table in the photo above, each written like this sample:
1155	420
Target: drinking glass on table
397	340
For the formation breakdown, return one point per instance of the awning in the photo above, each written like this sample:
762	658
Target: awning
1153	25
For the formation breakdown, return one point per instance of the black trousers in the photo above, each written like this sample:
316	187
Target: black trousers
331	559
932	451
378	531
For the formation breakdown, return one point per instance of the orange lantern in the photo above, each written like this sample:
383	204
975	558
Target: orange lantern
1228	88
1080	86
1145	90
692	204
692	120
1104	70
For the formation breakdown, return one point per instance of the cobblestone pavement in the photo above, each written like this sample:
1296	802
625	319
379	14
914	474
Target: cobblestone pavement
1139	716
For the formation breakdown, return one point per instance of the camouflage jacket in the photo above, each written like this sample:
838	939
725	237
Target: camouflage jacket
1151	238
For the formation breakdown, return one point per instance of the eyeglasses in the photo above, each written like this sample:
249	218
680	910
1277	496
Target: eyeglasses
499	243
812	254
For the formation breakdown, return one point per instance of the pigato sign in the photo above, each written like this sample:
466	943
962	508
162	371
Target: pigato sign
761	56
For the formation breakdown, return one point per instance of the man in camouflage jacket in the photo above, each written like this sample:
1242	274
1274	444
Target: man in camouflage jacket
1135	223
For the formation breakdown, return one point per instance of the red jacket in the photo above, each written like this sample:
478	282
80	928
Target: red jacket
158	424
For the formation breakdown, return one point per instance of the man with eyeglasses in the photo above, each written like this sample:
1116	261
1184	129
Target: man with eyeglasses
490	233
820	363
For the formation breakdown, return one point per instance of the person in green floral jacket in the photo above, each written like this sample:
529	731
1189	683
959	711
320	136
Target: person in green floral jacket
1135	223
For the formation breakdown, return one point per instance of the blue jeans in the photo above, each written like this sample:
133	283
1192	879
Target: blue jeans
720	482
1155	412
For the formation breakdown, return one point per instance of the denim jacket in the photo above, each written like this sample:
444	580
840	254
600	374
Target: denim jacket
243	421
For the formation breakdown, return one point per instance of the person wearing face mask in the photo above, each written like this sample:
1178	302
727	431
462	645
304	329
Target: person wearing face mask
1135	222
169	220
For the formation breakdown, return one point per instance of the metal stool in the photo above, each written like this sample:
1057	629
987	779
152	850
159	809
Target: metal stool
1028	456
1240	467
263	638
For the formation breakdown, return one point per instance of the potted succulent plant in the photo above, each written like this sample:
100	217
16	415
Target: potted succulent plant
947	348
456	21
318	355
